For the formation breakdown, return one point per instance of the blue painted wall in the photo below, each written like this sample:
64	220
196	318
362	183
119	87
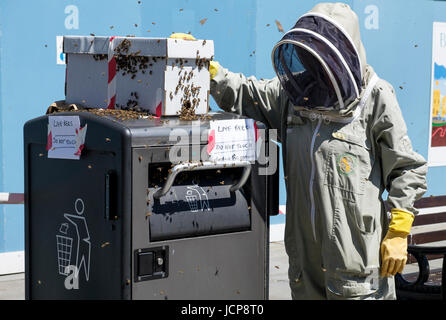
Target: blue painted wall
398	43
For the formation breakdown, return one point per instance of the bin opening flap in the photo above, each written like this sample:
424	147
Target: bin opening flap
199	203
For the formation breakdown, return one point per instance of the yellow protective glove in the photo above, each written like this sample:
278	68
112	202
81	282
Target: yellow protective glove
213	68
394	244
184	36
213	65
393	253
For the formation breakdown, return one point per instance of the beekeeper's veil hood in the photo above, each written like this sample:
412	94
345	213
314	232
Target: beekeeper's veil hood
321	61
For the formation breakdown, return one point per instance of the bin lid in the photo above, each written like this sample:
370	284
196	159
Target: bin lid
139	132
149	47
159	129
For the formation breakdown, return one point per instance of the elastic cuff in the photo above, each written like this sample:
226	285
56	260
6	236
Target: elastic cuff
401	221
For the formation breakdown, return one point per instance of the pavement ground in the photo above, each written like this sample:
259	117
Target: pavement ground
12	287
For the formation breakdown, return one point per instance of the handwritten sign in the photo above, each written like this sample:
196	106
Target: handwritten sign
232	140
65	137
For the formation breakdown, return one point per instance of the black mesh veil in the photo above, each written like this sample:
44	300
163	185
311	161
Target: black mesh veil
314	70
304	77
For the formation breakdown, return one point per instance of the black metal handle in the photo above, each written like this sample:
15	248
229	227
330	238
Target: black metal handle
206	165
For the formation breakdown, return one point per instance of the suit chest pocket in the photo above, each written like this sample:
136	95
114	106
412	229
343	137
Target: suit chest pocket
347	165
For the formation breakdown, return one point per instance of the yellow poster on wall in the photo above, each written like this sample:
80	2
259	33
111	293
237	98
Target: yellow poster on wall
437	137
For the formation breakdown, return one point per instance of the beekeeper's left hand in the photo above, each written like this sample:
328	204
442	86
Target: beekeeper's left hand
393	254
394	244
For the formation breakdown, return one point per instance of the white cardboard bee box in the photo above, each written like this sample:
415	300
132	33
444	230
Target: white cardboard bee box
154	74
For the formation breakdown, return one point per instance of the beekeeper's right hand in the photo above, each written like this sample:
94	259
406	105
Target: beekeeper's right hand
213	65
394	244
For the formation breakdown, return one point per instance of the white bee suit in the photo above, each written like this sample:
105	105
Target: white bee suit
344	142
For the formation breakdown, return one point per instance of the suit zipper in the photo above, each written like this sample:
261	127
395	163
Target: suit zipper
312	208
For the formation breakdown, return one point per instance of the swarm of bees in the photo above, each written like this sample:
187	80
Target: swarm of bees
201	62
114	113
188	107
132	103
130	63
187	112
190	99
123	47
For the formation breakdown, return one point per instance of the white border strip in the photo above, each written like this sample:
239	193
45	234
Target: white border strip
282	209
276	232
12	262
432	210
11	198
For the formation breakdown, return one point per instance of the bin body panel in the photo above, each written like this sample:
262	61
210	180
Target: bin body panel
220	249
97	214
66	218
219	267
68	227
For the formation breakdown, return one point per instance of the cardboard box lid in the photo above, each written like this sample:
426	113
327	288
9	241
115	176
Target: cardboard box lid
150	47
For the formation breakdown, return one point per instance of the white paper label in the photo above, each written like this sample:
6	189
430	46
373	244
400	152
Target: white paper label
232	140
65	137
60	58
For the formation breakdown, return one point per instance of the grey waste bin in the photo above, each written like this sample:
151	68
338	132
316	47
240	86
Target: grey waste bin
107	226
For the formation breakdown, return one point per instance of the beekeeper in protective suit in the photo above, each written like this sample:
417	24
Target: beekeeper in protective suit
344	142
